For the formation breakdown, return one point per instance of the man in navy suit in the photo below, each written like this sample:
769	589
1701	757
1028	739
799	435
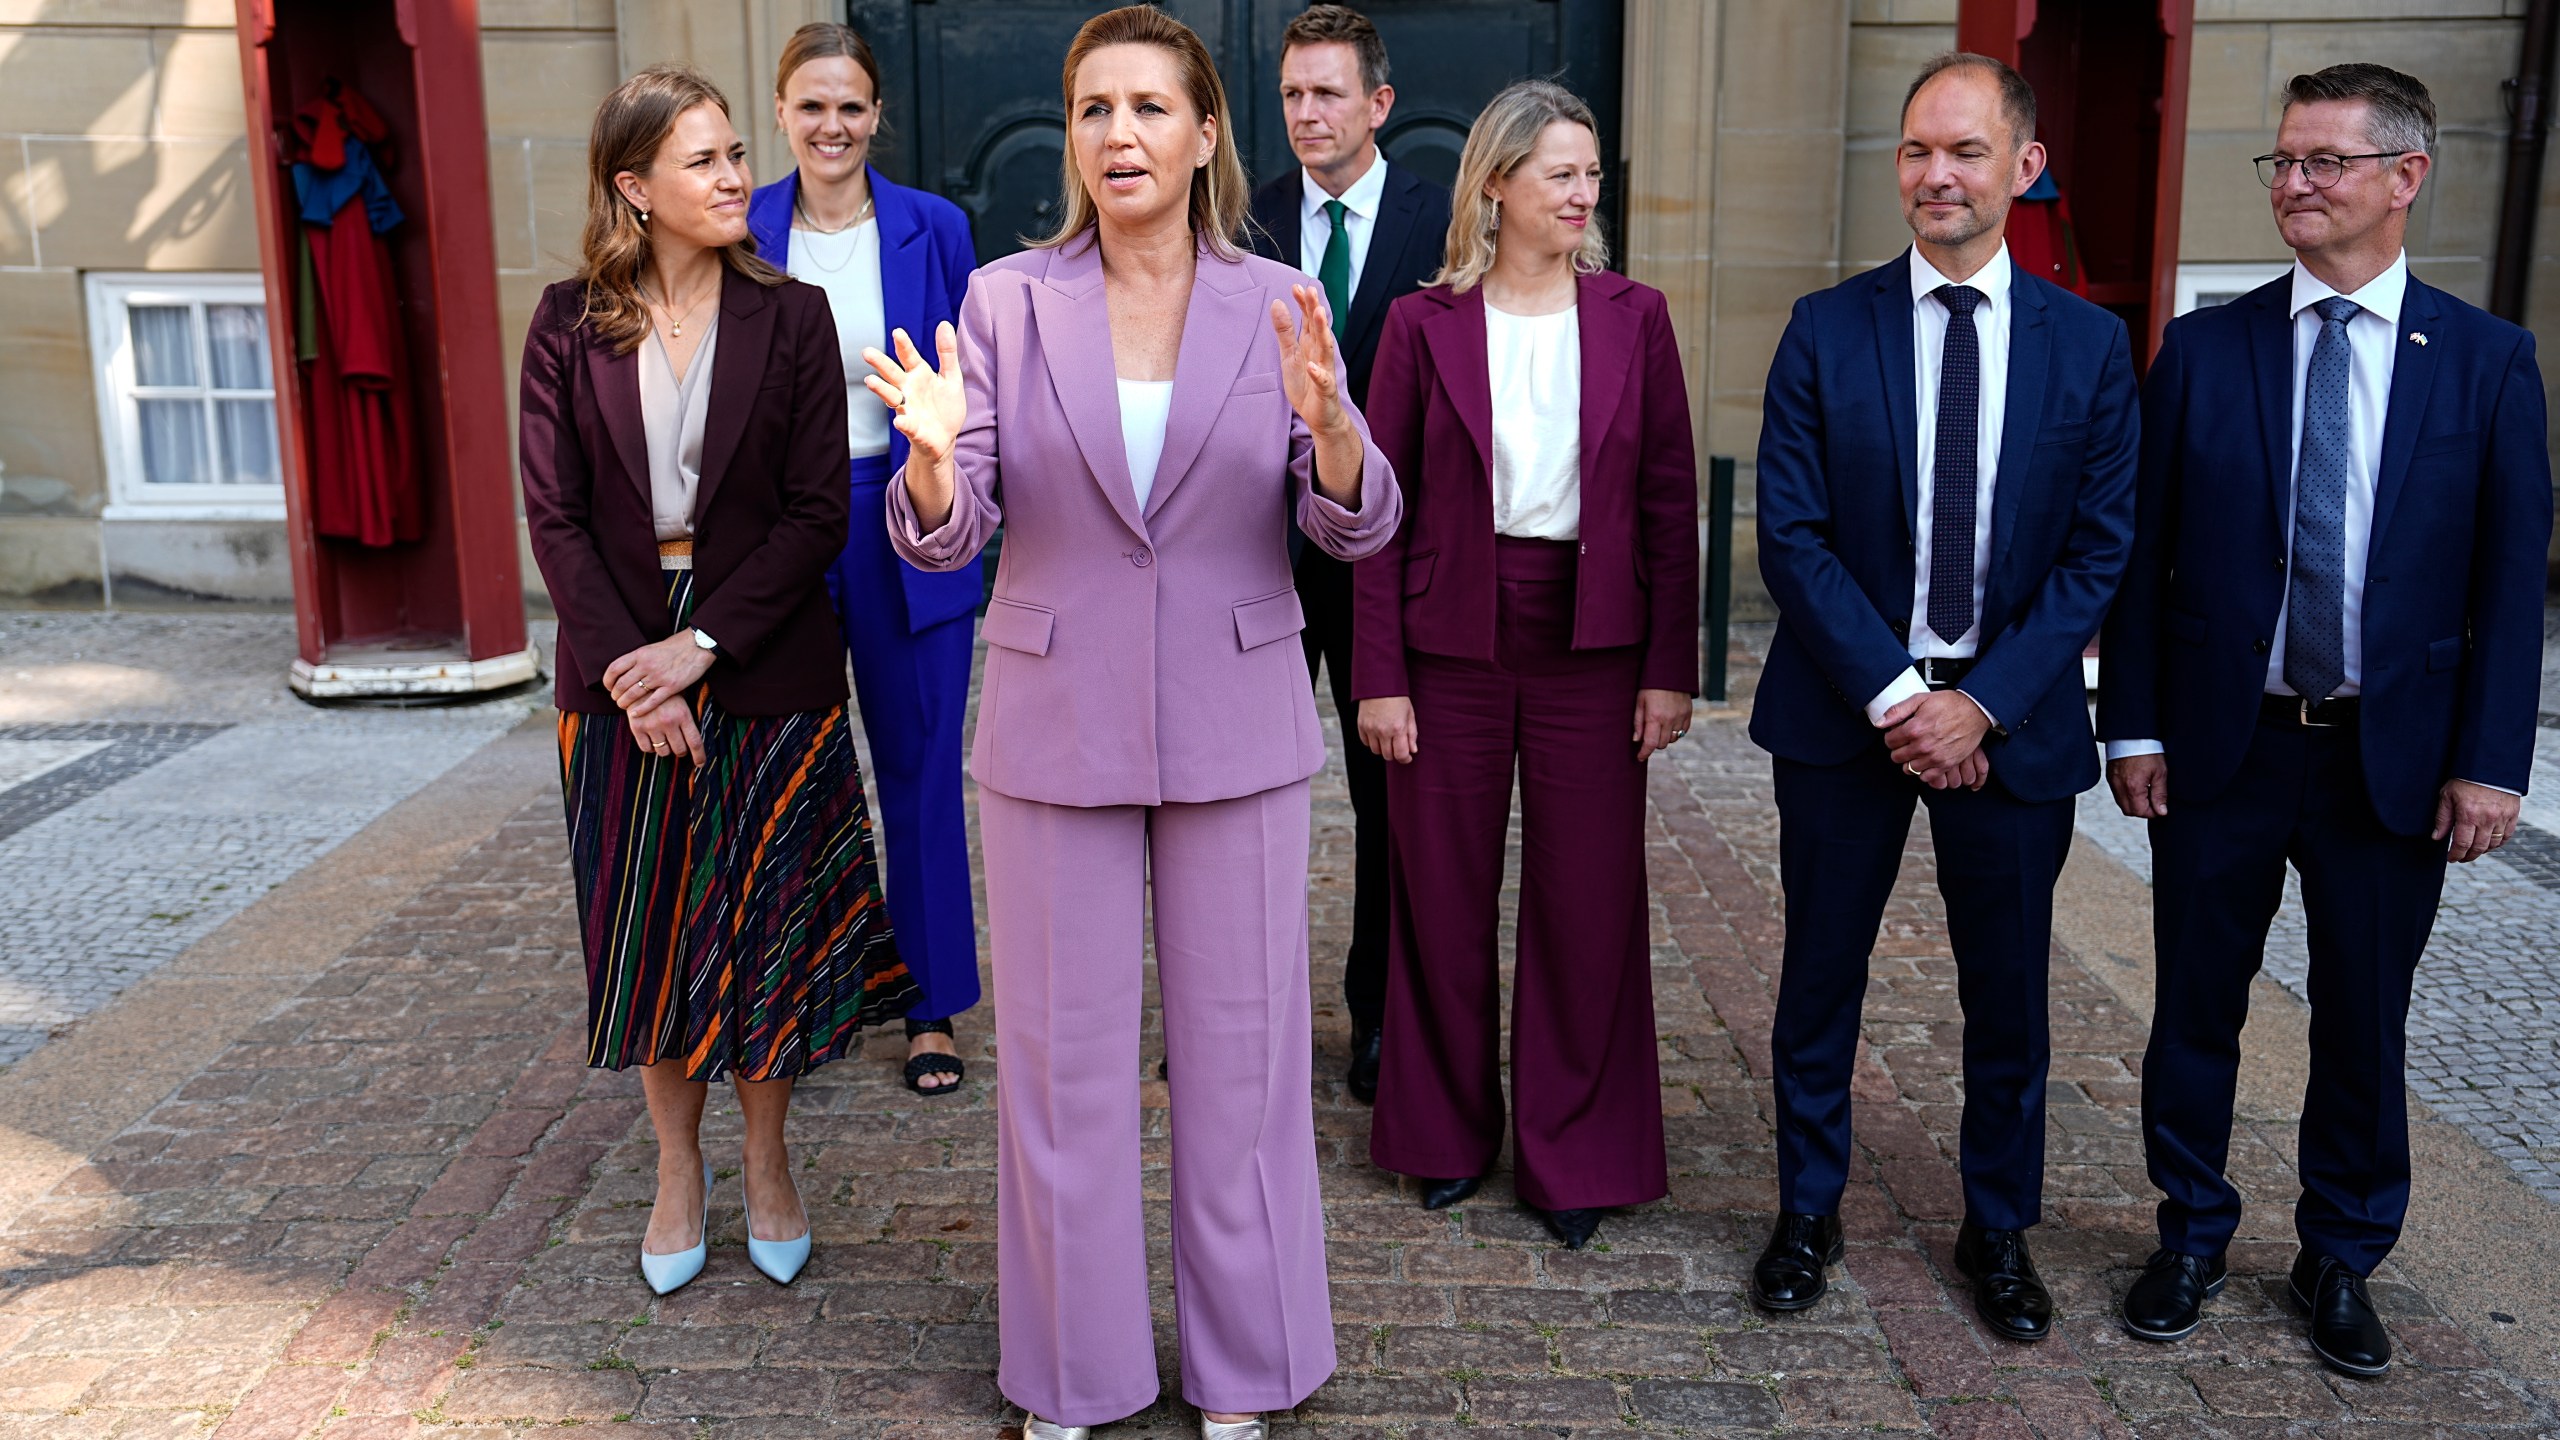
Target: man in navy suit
2332	632
1947	462
1368	232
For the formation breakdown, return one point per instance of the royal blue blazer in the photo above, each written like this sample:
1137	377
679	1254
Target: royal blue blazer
1839	490
926	257
2452	619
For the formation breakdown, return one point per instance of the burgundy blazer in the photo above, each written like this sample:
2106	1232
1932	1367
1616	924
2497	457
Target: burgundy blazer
1137	655
1431	408
768	518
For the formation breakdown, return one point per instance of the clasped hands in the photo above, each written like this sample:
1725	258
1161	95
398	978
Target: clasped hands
650	684
1937	739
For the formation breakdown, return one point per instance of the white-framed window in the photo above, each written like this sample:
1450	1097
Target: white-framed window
186	396
2202	285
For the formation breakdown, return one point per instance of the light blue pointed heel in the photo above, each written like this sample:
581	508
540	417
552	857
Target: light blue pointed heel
780	1260
669	1273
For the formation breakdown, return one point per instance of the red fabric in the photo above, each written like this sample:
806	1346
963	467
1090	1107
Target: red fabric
364	479
2041	243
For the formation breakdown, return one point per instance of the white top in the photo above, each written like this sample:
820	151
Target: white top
1535	363
1145	405
1929	320
2373	343
847	266
672	412
1359	218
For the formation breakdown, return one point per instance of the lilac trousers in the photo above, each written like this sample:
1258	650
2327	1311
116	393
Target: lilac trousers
1067	893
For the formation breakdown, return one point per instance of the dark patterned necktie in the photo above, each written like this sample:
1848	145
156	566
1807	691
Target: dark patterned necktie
2315	622
1954	477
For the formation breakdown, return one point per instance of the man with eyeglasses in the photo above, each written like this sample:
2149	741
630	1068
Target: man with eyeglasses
2331	632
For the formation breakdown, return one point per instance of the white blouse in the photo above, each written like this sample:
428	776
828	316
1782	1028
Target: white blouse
1535	364
847	266
1145	406
672	415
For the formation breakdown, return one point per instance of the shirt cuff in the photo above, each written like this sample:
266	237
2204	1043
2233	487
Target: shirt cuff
2127	749
1985	709
1904	686
2501	789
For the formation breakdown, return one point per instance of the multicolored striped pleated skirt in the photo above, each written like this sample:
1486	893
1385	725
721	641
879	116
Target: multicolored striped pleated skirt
731	912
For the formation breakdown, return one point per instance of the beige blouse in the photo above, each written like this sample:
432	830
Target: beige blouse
671	413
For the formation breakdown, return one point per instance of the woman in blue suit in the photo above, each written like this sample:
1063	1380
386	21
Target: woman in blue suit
888	258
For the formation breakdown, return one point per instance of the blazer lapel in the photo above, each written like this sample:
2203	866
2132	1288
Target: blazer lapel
902	255
1387	238
1892	306
737	369
1608	349
2413	375
769	219
2271	351
1456	339
2022	417
617	385
1280	220
1074	317
1218	329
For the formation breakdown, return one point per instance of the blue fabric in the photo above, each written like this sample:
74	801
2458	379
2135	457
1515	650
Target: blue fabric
321	194
2452	612
2315	634
1958	457
913	688
926	258
1838	491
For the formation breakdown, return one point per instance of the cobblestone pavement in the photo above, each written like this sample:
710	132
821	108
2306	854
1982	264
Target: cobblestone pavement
400	1206
156	777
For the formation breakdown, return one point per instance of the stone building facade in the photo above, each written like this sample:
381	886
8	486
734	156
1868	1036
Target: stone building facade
1758	142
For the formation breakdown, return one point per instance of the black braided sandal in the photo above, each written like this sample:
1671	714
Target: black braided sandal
932	1063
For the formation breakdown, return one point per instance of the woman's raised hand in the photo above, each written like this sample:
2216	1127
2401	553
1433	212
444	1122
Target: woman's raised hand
928	405
1306	362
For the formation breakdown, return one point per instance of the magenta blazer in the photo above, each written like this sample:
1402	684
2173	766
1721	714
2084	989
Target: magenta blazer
1431	405
1138	658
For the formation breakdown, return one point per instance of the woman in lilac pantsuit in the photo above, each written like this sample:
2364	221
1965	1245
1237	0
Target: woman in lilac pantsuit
1152	409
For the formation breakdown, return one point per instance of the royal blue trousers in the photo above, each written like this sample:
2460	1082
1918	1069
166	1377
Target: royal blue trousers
913	687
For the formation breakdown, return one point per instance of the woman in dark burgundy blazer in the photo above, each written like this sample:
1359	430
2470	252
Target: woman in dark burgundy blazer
1537	612
683	451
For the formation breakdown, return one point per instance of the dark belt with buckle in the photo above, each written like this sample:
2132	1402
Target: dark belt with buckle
2293	710
1942	673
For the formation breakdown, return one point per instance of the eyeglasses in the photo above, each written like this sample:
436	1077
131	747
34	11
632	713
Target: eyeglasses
2322	171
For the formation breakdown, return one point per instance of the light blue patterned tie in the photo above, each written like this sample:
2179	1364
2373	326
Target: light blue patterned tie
2315	624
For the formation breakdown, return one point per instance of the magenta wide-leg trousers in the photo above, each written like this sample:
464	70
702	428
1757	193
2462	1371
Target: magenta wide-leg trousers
1066	902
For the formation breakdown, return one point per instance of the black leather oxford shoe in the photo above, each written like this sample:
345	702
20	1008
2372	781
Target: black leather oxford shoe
1791	1273
2007	1293
2345	1332
2167	1303
1362	1078
1573	1229
1441	1194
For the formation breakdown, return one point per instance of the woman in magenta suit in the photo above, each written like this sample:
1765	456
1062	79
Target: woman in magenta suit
1538	612
1136	396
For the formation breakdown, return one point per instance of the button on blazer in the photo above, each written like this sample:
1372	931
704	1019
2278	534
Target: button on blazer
1134	657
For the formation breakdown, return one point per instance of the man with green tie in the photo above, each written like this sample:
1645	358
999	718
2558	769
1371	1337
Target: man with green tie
1368	232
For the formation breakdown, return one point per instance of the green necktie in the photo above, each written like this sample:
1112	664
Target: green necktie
1335	273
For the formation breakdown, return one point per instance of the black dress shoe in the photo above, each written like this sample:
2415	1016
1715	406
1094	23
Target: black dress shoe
1441	1194
2167	1303
2345	1332
2007	1293
1790	1273
1362	1078
1572	1228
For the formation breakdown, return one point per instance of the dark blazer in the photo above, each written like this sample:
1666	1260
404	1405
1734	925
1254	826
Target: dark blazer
1431	412
1404	251
926	256
2452	619
769	515
1839	491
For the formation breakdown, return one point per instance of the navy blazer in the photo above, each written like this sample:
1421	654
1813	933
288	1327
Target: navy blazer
2452	621
1404	250
1839	492
926	257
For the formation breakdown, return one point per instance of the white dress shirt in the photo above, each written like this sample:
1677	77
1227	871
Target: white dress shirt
1535	364
1359	219
2373	336
1145	407
846	265
1929	320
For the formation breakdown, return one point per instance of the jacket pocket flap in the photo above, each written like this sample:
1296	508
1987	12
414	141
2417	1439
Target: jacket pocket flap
1257	384
2461	442
1017	626
1417	571
2445	654
2184	625
1273	617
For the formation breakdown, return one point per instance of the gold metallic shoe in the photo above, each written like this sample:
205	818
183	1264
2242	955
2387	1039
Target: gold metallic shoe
1035	1428
1254	1429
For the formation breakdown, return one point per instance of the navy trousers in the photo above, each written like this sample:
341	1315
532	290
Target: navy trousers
1840	837
1324	591
913	687
2217	876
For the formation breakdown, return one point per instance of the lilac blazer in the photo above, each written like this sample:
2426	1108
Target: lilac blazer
1137	658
